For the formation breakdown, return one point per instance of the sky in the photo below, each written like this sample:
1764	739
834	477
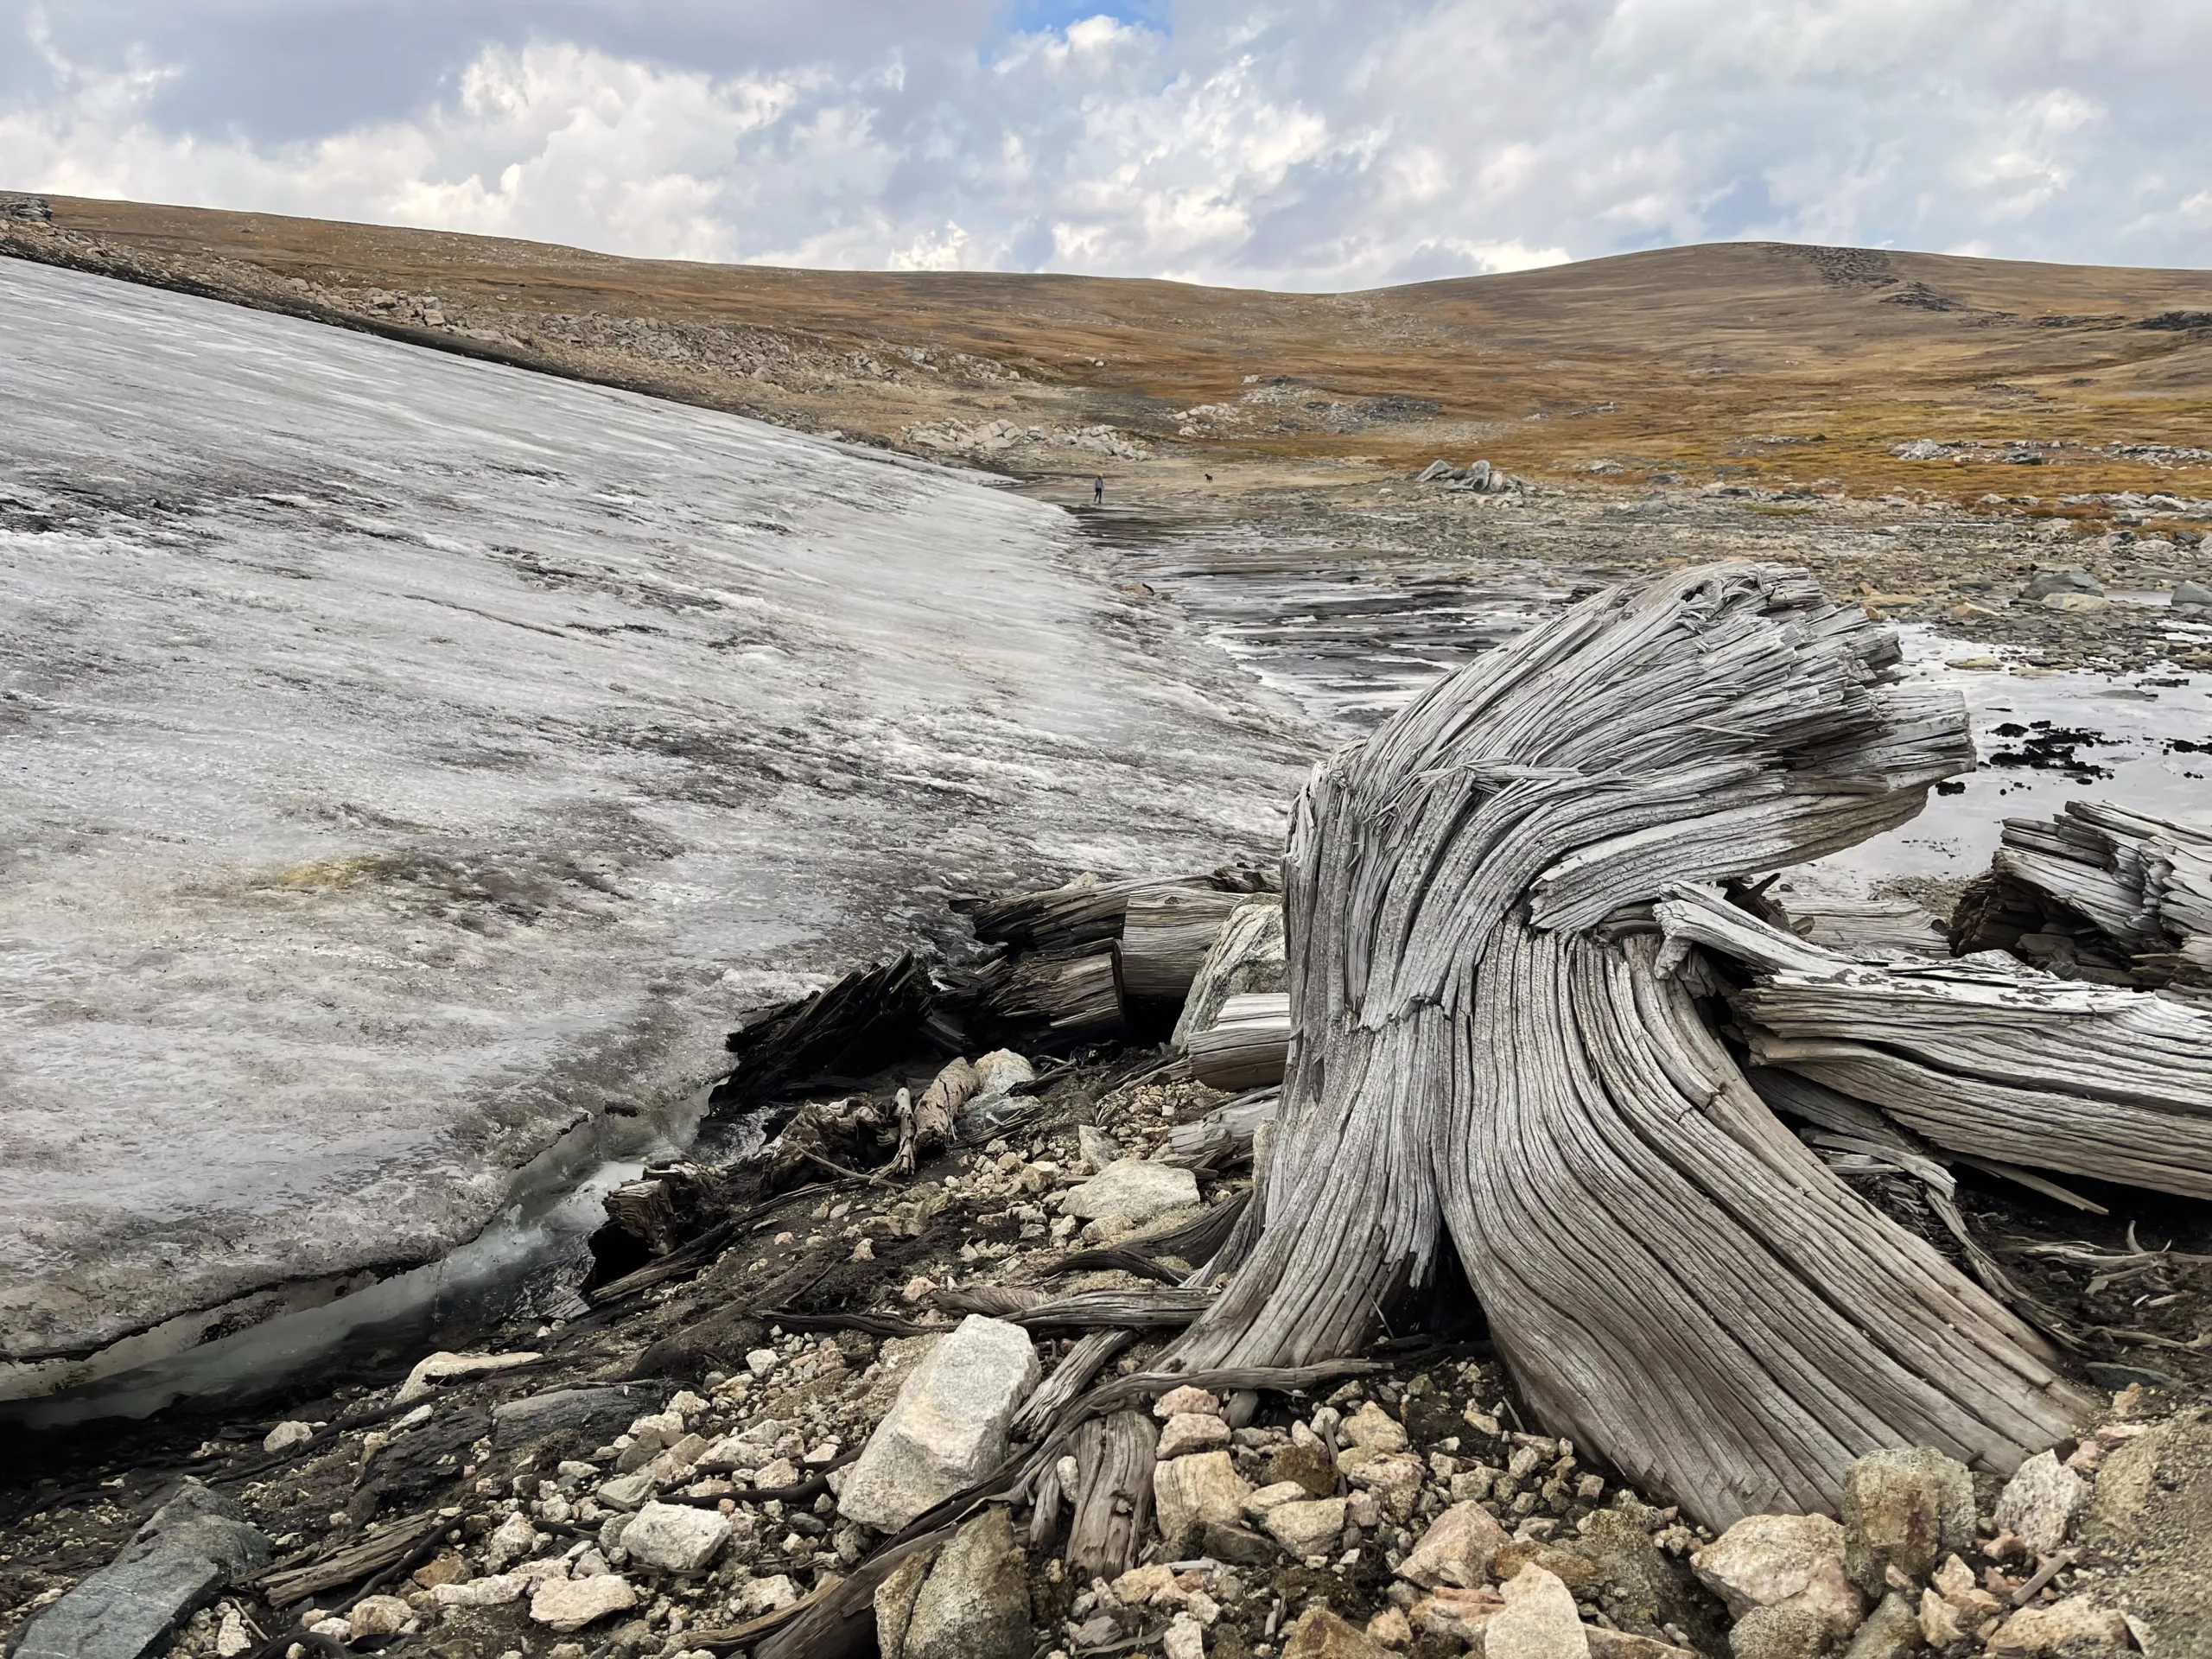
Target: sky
1309	144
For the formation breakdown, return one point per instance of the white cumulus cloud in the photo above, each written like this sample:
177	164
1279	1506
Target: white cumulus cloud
1300	143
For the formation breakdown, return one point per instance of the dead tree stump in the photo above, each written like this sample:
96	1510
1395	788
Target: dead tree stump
1487	1054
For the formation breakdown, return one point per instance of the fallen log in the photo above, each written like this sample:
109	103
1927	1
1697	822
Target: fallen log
1083	912
1673	1277
1112	1494
1247	1047
1994	1061
1165	936
1064	997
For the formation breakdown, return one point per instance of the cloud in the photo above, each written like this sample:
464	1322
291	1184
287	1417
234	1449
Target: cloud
1303	143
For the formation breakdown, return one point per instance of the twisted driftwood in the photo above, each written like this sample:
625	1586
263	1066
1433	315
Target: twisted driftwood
1674	1277
2100	894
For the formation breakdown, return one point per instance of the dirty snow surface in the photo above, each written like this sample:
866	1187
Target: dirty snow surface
403	760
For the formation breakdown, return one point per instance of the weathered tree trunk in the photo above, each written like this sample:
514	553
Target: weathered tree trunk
1484	1050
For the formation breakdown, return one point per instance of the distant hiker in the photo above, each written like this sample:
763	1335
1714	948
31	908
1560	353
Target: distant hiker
1098	492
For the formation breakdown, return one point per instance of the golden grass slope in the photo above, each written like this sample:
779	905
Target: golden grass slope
1760	361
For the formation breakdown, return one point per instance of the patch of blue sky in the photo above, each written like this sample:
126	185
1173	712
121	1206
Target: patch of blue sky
1036	16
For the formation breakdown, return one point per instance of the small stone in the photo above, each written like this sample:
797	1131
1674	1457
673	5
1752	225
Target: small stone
1940	1624
947	1427
378	1615
286	1435
1134	1190
1538	1621
1237	1546
1954	1582
334	1627
1308	1466
570	1604
2079	603
2039	1503
1142	1584
1186	1639
230	1637
761	1361
1574	1571
1095	1147
1319	1634
1375	1429
772	1594
1391	1629
1190	1492
894	1603
1791	1632
1458	1615
1309	1527
2073	1629
513	1539
1906	1507
625	1491
1191	1431
1176	1401
497	1590
1892	1632
1456	1550
675	1537
445	1367
974	1604
1771	1561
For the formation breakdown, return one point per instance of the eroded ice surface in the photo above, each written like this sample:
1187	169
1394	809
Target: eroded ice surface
404	758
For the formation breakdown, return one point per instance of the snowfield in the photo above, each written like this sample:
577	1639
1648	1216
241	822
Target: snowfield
403	760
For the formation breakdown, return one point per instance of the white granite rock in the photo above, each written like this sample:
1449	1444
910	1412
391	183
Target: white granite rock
948	1426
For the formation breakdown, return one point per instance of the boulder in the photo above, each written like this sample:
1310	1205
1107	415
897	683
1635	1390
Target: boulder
2072	580
675	1537
2191	592
1134	1190
1095	1147
1309	1527
974	1602
1194	1492
571	1604
2073	1629
2081	603
2148	1530
1906	1507
1249	957
1237	1546
1788	1632
193	1546
1538	1621
495	1590
1773	1561
1456	1550
1319	1634
947	1428
2039	1503
1191	1431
